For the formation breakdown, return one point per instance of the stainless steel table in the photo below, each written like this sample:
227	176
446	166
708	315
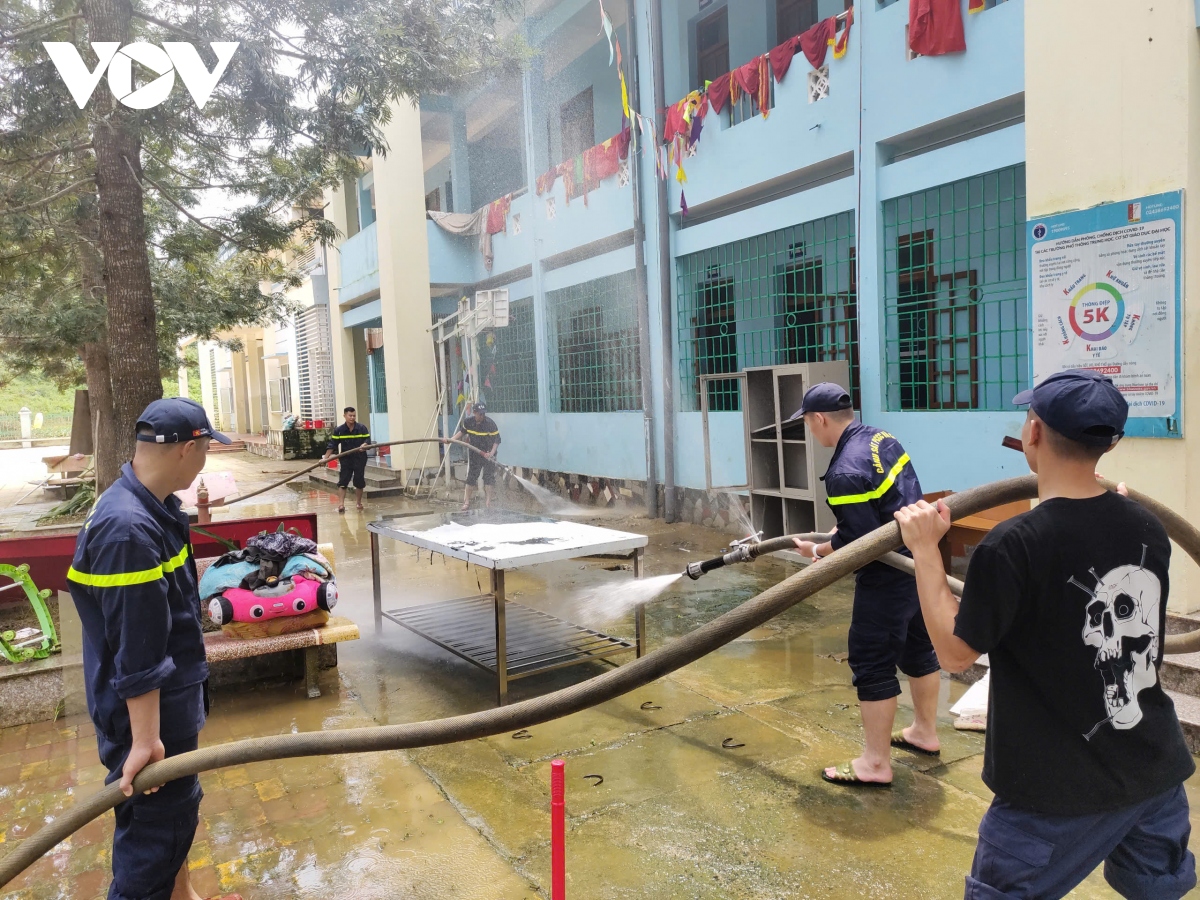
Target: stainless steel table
507	639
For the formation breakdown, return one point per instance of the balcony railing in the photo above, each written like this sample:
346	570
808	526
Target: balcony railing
360	265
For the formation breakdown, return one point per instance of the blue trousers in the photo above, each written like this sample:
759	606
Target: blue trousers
887	633
1026	855
154	832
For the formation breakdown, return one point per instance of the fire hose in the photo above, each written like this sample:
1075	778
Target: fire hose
506	719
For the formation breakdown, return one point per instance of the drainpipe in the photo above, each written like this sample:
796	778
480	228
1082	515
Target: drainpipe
664	270
643	287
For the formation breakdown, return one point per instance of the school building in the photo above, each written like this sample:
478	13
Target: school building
827	192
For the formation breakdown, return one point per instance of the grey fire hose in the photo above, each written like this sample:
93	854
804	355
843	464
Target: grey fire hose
506	719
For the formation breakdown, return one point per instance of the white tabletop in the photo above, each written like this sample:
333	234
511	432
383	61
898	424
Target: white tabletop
500	539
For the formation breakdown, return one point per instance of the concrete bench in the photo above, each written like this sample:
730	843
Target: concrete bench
222	647
317	645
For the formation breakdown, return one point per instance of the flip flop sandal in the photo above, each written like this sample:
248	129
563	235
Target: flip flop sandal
844	775
901	743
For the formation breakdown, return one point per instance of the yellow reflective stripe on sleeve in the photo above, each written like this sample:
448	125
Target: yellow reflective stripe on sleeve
878	492
482	433
176	561
347	437
125	579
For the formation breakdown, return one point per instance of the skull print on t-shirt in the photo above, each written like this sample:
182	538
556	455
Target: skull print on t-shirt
1121	622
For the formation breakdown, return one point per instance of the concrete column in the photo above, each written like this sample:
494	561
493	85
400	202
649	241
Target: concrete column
345	384
460	167
1134	71
241	403
208	390
26	427
404	284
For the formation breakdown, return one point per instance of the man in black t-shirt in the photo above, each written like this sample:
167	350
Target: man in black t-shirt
1084	751
484	435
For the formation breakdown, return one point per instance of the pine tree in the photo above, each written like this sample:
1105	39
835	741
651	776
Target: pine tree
100	241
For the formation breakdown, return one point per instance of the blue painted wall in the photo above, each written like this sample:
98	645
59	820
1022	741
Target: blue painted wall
876	93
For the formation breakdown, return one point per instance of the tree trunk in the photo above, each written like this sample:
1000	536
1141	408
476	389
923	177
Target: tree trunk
132	335
100	398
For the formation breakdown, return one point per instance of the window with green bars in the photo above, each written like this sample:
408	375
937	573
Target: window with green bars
593	346
788	296
955	294
508	362
377	377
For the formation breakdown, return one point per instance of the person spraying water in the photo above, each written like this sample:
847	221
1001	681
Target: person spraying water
482	433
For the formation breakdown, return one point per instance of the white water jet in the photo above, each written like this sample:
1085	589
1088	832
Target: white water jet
738	514
550	501
602	603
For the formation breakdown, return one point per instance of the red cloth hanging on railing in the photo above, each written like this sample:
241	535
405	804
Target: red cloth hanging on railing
718	91
815	42
935	27
781	57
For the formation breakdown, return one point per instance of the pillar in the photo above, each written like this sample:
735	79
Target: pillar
1115	118
460	166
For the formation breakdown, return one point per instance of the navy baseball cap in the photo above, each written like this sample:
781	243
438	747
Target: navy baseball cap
177	419
823	397
1079	404
481	406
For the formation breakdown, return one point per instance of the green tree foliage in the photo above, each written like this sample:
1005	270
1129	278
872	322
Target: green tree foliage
106	258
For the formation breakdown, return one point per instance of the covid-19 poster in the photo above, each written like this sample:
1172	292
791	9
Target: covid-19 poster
1105	287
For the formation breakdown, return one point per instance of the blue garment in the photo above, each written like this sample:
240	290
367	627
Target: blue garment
217	579
1025	854
134	583
153	832
300	563
869	478
887	632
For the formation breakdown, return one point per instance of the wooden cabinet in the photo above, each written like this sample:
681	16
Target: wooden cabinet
784	464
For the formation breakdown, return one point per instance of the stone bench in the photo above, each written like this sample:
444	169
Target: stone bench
225	648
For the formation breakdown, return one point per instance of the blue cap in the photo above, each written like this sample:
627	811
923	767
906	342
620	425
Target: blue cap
480	406
823	397
1079	404
177	419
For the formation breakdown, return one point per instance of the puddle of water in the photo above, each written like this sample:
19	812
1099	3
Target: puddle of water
550	501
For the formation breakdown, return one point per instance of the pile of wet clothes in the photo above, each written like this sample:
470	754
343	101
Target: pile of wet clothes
275	574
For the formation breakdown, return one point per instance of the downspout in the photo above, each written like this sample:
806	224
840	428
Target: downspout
643	287
664	271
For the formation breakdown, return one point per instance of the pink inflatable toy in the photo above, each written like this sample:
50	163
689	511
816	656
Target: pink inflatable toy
290	597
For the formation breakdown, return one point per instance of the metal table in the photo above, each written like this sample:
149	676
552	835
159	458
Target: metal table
502	637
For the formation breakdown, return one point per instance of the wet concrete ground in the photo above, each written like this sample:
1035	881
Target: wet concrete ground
677	815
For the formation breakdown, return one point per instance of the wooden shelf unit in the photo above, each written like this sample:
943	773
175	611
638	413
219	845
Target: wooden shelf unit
784	467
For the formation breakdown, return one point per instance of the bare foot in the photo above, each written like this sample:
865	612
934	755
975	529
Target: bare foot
865	772
921	739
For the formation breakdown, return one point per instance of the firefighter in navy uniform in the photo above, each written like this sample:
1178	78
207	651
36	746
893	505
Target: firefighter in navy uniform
346	437
869	478
484	435
134	583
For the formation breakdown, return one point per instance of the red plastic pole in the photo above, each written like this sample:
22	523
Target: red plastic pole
558	831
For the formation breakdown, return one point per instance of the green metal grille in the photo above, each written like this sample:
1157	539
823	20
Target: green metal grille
378	379
593	344
508	362
955	294
788	296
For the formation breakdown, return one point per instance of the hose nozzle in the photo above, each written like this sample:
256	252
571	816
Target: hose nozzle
740	553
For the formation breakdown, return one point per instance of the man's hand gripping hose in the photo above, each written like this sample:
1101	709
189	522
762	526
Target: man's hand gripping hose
631	676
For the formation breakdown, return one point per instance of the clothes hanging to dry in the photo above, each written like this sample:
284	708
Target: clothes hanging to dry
815	42
467	223
781	58
935	27
718	92
497	214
